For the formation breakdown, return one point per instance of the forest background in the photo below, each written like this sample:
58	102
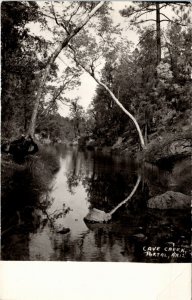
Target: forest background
151	79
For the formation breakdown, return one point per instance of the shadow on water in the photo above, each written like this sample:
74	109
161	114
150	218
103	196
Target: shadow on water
32	220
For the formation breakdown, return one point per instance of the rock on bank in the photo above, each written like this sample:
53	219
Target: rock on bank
170	200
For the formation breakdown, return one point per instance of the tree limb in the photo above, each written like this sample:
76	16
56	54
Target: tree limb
145	13
143	21
136	10
172	21
51	60
73	14
111	94
56	20
148	33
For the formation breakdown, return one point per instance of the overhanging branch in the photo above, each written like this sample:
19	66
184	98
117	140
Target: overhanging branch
92	73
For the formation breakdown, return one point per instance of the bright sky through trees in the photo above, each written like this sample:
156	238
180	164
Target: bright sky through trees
87	88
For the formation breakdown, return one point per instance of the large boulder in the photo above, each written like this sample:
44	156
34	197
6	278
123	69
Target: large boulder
181	147
170	200
176	149
167	151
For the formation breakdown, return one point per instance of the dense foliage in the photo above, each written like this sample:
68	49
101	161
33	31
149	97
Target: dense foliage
19	63
157	95
33	83
156	92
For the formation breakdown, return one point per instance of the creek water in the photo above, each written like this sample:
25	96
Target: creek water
93	179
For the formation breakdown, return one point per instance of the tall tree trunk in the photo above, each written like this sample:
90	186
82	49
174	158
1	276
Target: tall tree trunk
146	136
51	60
25	115
113	97
125	111
158	29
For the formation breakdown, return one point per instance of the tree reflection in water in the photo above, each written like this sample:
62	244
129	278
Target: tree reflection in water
25	204
106	181
90	179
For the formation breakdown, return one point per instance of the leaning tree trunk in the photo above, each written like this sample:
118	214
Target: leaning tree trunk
126	111
51	60
113	97
146	133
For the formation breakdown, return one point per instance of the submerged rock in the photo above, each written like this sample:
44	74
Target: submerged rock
97	216
170	200
139	236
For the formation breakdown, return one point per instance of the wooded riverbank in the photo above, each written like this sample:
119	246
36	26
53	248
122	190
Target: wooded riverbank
41	203
93	109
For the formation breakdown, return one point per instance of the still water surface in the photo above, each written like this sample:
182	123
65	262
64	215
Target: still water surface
88	179
84	178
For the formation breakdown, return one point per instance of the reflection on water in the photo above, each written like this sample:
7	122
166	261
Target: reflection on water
95	180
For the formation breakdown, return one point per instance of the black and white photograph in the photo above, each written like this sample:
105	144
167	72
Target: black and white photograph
96	131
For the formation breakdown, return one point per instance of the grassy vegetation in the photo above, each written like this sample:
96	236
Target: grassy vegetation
39	169
24	198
